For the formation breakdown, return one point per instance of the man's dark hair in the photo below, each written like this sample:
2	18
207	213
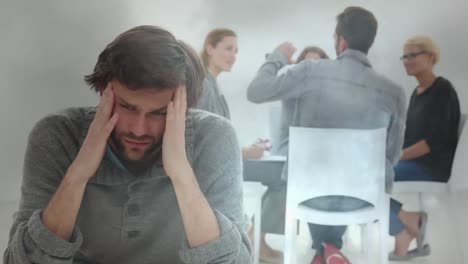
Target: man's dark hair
358	27
149	57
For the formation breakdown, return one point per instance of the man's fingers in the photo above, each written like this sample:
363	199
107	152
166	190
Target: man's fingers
288	49
170	111
106	105
105	94
109	103
183	103
111	124
177	100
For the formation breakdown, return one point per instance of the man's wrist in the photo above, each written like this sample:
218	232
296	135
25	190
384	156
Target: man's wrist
184	175
77	175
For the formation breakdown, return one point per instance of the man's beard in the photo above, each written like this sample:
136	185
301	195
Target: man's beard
150	156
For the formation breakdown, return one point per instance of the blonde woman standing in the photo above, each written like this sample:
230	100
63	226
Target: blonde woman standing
219	55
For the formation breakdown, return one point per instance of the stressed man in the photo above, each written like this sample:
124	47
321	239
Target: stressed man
141	178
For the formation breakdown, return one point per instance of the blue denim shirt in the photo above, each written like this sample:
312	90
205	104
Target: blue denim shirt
341	93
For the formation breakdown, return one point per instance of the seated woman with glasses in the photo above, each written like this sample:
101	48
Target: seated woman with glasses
430	138
432	120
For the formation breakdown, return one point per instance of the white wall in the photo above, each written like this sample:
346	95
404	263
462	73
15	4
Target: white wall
263	24
47	46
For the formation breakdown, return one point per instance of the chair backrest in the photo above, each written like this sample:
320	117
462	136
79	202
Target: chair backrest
349	162
459	175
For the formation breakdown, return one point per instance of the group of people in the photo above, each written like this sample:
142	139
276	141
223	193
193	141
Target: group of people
320	92
153	174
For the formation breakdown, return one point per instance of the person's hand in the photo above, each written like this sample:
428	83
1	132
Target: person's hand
288	49
92	151
252	152
264	143
174	156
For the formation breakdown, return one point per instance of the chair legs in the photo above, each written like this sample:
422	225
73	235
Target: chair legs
384	224
364	241
290	239
367	247
366	244
454	226
420	201
257	222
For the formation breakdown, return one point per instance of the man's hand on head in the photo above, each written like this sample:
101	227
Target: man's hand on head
174	156
288	49
92	151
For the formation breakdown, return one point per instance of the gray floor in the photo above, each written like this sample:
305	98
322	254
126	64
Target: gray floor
440	234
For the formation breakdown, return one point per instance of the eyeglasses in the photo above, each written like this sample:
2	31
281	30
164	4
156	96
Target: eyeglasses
411	56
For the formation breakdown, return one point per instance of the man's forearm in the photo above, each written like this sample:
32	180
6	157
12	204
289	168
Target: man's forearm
61	212
200	222
261	87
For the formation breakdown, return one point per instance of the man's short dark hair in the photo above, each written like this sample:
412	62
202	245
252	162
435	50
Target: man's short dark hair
358	27
149	57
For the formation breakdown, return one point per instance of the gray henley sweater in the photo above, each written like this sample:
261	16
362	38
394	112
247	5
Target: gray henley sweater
124	218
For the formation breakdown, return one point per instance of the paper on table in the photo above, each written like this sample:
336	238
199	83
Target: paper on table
273	158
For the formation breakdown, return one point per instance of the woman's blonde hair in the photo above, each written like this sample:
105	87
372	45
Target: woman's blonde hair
425	43
213	38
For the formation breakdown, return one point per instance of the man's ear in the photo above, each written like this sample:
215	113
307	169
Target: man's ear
343	44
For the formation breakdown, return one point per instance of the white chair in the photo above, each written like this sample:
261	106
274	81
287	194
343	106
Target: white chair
336	162
421	187
253	192
458	182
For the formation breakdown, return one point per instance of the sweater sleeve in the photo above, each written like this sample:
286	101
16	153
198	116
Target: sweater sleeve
30	241
208	98
267	86
444	121
220	162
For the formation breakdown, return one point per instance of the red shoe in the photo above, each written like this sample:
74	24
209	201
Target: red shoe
318	260
333	255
